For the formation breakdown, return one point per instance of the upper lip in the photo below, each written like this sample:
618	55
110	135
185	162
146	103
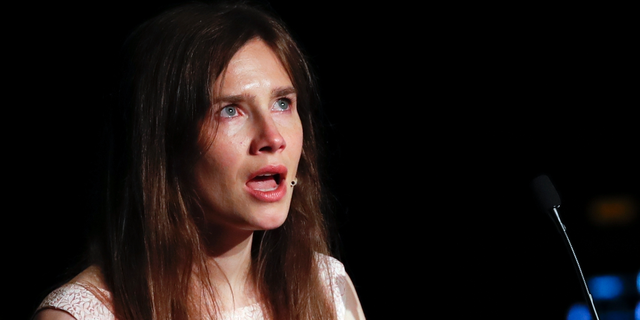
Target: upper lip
274	169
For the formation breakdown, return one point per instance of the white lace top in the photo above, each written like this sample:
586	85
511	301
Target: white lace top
76	299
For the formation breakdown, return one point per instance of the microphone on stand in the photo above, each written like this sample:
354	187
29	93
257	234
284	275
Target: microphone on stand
549	200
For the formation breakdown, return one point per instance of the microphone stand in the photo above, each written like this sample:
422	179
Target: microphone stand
576	264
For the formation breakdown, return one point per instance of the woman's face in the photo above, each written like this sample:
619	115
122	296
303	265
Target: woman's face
244	176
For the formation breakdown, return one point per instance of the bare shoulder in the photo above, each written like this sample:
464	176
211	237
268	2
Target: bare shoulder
52	314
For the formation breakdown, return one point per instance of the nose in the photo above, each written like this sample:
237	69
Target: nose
267	138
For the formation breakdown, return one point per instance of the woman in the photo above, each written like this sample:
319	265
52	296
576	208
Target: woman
214	200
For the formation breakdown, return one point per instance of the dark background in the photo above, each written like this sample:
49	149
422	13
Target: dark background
437	119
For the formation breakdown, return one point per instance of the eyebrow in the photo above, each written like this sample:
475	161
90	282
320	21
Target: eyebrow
277	92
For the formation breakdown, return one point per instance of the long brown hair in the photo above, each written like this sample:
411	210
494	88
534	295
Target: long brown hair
150	243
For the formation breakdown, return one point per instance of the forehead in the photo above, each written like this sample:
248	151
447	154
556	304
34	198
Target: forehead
254	65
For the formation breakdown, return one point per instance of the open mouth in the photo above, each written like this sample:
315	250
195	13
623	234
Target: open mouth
265	182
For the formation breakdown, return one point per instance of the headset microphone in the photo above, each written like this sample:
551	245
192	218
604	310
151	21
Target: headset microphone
549	200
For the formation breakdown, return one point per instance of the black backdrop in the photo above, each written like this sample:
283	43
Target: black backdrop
436	121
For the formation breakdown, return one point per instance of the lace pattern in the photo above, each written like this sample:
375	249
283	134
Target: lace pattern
252	312
76	300
82	304
333	274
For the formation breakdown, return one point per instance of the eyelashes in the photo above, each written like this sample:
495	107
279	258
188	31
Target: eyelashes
233	110
229	112
282	104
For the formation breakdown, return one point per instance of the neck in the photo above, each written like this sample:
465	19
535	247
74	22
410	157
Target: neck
232	254
229	261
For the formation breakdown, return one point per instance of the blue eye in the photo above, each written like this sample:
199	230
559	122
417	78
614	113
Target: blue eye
229	111
282	104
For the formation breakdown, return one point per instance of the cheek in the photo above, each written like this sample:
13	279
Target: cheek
294	139
295	149
291	129
228	145
298	146
215	177
225	156
219	163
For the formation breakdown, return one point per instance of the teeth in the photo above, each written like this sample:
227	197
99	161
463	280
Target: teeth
267	190
262	182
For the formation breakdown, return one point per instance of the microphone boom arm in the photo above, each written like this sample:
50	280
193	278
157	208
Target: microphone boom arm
576	264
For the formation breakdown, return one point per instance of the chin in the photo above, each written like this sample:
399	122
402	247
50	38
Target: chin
271	220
